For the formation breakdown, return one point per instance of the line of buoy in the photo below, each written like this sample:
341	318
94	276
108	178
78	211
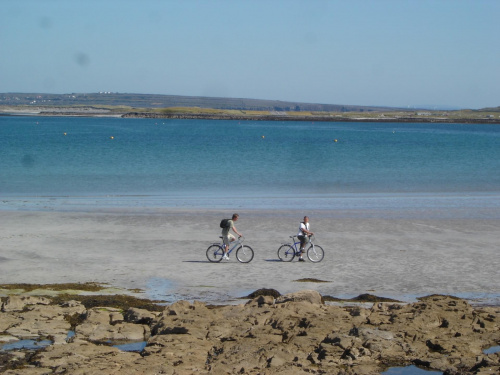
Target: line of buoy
109	137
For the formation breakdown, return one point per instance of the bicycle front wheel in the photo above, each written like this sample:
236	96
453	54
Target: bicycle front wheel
315	253
286	253
244	254
215	253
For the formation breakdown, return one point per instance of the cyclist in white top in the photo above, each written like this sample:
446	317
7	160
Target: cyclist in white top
303	236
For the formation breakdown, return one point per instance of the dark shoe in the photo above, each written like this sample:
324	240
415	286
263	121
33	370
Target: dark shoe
301	260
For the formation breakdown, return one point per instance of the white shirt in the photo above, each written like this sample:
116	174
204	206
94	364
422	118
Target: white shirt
303	226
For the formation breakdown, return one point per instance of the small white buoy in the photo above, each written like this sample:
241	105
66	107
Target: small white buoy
111	137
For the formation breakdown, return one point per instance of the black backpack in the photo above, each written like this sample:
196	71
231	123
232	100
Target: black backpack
224	223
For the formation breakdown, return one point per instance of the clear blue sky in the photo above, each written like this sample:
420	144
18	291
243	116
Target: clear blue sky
371	52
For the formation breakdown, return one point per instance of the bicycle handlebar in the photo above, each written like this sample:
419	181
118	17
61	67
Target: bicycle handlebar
310	237
240	238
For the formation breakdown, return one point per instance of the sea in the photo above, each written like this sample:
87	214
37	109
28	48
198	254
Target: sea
352	168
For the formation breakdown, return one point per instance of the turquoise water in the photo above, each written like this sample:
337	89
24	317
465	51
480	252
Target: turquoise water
409	370
132	346
202	163
25	344
492	350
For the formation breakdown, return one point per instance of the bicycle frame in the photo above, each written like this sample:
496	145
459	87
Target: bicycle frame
244	253
295	243
238	242
315	253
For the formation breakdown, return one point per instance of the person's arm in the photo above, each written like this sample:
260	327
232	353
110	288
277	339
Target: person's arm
236	231
305	231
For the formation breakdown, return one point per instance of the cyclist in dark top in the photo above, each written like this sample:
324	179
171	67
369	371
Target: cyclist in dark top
228	237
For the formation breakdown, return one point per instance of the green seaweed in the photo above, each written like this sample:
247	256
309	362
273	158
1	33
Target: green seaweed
87	287
263	292
119	301
360	298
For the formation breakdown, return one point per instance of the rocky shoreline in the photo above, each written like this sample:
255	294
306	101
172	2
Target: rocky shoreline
409	119
295	333
96	112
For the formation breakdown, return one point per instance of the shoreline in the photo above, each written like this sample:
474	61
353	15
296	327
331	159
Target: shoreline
337	118
162	253
112	296
421	205
271	117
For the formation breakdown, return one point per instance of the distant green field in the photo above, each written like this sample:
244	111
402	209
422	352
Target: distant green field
171	106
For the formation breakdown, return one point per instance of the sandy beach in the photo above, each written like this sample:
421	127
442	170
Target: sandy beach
162	253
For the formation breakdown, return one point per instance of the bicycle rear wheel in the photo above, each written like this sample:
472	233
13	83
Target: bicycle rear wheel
244	254
215	253
315	253
286	253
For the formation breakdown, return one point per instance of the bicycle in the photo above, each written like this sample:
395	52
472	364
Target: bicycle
288	251
244	253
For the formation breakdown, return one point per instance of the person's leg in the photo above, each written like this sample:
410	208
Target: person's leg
231	239
227	240
302	246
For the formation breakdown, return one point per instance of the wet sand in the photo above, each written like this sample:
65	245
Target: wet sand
162	252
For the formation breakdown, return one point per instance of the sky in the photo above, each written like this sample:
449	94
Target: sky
397	53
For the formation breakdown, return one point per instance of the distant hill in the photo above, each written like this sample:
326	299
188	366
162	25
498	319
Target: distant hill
494	109
165	101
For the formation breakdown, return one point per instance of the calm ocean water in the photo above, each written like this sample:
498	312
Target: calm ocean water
74	162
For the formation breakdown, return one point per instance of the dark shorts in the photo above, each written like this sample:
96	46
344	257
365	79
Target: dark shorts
303	240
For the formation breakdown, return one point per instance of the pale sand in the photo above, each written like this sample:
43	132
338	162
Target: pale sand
163	253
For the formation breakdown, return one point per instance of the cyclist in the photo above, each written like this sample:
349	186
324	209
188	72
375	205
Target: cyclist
303	236
228	237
